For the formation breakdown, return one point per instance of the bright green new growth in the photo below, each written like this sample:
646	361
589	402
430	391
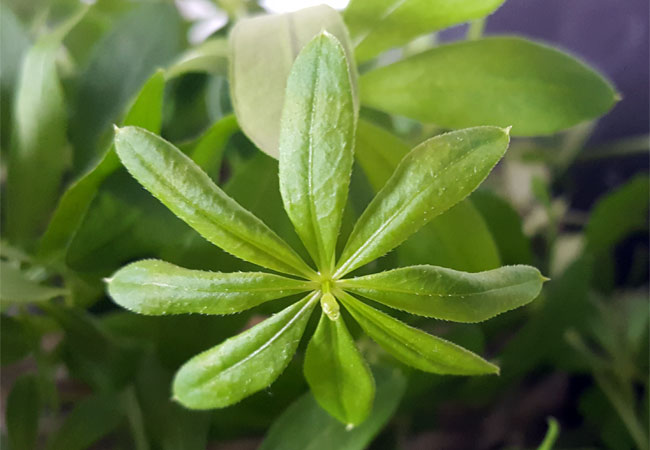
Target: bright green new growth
316	154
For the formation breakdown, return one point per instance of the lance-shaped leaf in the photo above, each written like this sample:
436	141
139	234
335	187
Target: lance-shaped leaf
157	287
414	347
189	193
500	81
244	364
15	287
379	25
145	112
316	145
449	294
432	178
337	374
262	50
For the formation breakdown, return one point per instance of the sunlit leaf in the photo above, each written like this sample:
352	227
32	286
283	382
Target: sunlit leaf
414	347
262	50
244	364
499	81
433	177
337	374
316	145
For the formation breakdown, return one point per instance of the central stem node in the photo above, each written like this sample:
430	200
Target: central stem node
328	302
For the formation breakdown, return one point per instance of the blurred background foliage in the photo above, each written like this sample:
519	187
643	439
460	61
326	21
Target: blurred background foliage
78	372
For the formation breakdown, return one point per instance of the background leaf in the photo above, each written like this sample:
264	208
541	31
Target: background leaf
379	25
16	287
262	50
305	425
501	81
316	146
23	409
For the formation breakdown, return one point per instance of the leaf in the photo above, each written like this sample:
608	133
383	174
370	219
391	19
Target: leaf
189	193
305	425
146	112
23	407
500	81
156	287
618	214
15	287
16	340
211	57
39	148
244	364
551	435
316	146
337	374
433	177
91	419
262	50
142	40
449	294
377	26
208	151
458	239
414	347
378	152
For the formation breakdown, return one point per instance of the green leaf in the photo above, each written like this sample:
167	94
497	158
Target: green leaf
316	146
459	239
244	364
208	151
379	25
262	50
449	294
23	407
189	193
15	287
414	347
141	41
337	374
39	151
499	81
209	57
90	420
378	152
146	112
432	178
551	435
305	425
16	340
156	287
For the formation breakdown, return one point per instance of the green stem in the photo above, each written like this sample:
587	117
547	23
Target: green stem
475	30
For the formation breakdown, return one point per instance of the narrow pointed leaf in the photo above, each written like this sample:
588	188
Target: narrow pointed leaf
432	178
414	347
189	193
244	364
449	294
316	145
337	374
500	81
156	287
379	25
262	50
15	287
145	112
22	412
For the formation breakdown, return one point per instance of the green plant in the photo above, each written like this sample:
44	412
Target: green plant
316	155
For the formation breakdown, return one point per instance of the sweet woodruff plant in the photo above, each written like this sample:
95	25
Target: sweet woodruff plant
316	154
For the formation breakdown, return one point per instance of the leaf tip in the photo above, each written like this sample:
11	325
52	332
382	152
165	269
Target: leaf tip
349	427
506	130
116	129
108	280
544	279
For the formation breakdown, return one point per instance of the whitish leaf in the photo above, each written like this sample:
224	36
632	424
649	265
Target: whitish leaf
449	294
146	112
500	81
262	50
432	178
305	425
244	364
316	146
189	193
156	287
39	151
414	347
338	376
15	287
379	25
